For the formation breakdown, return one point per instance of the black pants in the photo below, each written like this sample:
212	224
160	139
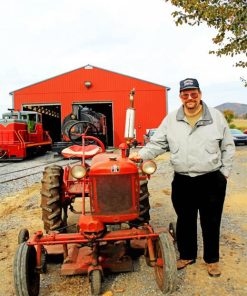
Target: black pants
204	194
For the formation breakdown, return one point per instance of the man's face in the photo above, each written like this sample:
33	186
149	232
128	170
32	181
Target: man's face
191	98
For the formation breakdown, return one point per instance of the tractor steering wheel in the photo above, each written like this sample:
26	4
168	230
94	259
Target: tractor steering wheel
86	128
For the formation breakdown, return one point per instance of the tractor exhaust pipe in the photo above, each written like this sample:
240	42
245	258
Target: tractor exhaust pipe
129	133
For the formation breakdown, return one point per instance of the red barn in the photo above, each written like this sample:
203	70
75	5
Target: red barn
102	90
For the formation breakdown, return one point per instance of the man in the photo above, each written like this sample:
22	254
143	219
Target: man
202	151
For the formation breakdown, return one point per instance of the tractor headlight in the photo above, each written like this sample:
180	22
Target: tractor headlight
78	171
149	167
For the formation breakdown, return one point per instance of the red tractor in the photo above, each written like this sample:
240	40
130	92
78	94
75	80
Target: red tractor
113	219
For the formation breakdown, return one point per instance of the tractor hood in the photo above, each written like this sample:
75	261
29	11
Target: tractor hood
111	164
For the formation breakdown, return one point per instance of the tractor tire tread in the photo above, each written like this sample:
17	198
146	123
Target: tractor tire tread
51	198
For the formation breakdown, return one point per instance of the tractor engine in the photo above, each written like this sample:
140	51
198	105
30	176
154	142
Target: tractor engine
114	188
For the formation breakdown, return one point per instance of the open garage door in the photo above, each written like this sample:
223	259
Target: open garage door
51	118
104	108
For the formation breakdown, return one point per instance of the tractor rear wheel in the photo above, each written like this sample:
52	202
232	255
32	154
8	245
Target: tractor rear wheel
51	203
144	202
144	215
95	280
165	267
26	277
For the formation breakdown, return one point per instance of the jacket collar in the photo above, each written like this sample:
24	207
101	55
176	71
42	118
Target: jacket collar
206	116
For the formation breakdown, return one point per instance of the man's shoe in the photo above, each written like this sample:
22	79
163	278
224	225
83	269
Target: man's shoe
182	263
214	269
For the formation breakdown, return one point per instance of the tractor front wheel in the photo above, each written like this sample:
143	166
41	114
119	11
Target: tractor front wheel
23	235
51	203
165	267
95	281
26	277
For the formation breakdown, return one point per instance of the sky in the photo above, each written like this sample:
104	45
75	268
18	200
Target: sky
44	38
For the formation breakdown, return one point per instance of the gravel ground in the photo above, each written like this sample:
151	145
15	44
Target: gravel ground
21	209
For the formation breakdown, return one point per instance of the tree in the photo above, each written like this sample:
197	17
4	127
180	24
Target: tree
228	17
229	115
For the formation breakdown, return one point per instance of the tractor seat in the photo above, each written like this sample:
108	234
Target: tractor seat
77	151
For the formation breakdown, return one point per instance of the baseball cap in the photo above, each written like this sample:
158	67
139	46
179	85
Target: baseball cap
189	83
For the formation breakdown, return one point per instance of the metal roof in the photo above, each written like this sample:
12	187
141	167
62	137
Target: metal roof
88	67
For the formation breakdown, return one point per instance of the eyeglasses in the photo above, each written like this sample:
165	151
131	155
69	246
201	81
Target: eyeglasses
192	95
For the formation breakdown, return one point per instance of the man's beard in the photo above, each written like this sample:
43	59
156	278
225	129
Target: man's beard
188	106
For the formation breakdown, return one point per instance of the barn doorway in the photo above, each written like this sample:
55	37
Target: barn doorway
104	108
51	118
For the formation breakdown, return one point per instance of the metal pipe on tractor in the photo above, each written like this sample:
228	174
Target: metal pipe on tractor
110	232
129	132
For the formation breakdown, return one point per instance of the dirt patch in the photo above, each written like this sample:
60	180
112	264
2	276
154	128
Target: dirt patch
236	203
21	210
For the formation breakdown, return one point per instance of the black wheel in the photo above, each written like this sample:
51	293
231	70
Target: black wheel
82	127
95	281
172	230
144	215
51	203
23	236
67	123
26	277
44	149
165	267
144	202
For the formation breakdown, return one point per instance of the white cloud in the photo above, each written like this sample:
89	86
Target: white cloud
41	39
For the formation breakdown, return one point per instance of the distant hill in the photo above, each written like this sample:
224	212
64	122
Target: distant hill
238	109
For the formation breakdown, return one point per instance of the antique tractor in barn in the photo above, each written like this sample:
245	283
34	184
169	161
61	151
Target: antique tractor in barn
112	220
91	121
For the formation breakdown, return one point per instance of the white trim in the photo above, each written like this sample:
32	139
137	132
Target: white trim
41	104
91	102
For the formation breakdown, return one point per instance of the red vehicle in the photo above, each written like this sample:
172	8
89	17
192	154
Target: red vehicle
113	220
22	134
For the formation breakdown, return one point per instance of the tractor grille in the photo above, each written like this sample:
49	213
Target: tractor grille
113	194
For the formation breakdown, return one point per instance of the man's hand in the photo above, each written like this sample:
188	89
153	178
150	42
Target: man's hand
134	156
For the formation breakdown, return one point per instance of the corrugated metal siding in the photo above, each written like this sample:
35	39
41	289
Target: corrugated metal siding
150	99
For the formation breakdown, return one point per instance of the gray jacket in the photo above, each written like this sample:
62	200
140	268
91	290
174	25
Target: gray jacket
206	147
